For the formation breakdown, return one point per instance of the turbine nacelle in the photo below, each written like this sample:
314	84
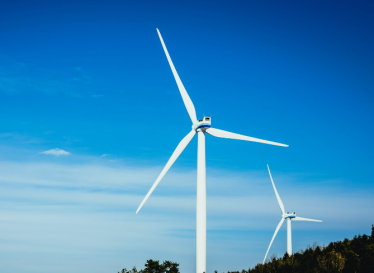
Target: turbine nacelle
202	124
289	215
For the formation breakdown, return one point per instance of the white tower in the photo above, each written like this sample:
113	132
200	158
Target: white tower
200	127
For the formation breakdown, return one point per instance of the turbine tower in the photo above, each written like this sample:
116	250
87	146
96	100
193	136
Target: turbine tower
290	217
200	127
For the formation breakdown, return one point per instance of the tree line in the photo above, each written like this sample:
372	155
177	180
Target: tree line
348	256
155	267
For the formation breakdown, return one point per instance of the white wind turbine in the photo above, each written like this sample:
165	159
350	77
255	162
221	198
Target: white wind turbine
200	127
289	217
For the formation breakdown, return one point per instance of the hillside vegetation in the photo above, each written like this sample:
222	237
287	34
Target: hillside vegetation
348	256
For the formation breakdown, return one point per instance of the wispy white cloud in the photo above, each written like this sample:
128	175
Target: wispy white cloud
56	152
88	210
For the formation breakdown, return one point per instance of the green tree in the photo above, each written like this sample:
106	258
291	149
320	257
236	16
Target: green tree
155	267
170	267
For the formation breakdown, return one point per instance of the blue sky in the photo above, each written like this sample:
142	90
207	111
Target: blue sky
91	79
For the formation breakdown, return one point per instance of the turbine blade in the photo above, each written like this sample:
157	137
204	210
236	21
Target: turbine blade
225	134
186	99
180	148
276	193
275	234
297	218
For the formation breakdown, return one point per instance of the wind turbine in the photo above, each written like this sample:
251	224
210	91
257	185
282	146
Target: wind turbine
290	217
200	127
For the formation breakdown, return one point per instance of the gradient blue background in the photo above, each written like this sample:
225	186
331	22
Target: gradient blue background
91	78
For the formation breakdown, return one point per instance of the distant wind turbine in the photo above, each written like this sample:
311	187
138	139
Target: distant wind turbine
289	217
200	127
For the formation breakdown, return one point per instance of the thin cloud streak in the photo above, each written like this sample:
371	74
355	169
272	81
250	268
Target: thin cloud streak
56	152
62	210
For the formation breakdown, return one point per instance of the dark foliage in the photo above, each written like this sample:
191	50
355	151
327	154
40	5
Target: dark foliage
348	256
155	267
